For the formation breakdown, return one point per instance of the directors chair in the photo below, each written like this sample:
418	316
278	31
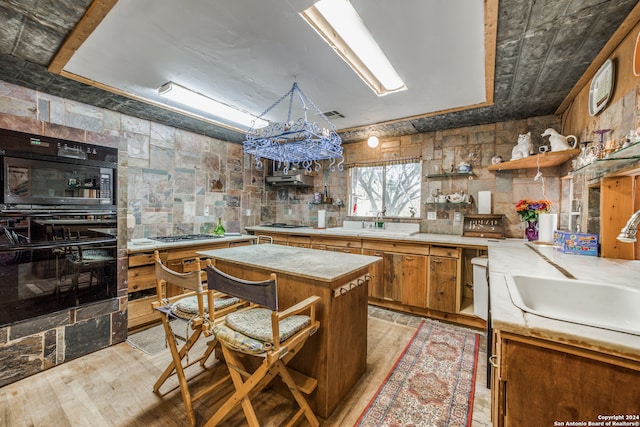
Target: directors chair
193	308
263	332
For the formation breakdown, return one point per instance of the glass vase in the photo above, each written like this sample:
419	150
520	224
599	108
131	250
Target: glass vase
531	231
219	231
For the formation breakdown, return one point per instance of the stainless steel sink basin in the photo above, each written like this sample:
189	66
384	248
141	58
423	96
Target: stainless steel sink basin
603	305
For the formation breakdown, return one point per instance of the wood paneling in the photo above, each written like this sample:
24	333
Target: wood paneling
443	281
616	207
546	384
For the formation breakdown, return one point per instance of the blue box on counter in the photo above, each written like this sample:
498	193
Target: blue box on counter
576	243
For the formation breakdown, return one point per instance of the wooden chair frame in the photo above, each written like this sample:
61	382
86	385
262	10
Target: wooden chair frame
274	362
200	325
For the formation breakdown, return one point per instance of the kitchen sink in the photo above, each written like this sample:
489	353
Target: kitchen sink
385	232
390	229
603	305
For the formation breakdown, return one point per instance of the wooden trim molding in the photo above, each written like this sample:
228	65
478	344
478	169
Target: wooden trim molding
89	22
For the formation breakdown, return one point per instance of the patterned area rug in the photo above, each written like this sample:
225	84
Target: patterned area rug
432	383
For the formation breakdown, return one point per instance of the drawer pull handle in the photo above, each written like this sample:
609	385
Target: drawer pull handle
492	361
409	258
437	260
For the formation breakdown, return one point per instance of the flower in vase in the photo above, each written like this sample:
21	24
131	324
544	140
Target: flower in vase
530	209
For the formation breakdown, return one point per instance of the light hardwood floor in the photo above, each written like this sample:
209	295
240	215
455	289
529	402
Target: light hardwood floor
113	387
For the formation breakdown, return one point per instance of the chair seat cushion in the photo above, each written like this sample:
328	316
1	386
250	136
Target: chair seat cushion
239	342
249	331
187	308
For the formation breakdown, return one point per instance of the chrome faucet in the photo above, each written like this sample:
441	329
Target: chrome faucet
628	232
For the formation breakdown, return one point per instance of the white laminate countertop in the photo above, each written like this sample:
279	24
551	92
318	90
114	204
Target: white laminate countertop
519	258
145	245
371	233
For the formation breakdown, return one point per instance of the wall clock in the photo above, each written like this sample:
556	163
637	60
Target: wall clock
601	88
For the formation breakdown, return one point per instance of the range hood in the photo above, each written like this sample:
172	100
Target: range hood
293	180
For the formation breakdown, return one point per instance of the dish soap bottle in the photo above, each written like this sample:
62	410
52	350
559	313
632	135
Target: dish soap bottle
219	231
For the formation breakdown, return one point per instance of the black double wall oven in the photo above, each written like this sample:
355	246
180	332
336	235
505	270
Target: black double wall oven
58	221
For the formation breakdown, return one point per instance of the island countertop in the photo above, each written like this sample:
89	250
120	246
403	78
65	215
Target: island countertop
314	264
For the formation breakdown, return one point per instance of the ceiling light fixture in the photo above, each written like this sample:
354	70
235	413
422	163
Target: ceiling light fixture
339	24
182	95
373	141
295	141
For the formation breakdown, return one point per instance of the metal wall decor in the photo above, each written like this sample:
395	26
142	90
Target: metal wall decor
601	87
295	141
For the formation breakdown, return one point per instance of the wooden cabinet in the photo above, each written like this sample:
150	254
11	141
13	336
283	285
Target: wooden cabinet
299	241
141	277
376	282
406	277
403	280
402	277
537	382
444	284
337	244
278	238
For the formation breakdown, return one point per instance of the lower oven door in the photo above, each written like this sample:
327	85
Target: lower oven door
38	279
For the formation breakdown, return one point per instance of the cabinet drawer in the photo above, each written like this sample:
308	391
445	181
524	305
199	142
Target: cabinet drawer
140	278
299	241
343	249
444	251
145	259
394	246
335	242
140	312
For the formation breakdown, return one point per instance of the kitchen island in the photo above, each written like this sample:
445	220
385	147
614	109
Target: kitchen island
337	354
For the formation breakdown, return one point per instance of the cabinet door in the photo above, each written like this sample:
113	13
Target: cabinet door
442	283
414	280
545	385
392	276
376	283
405	278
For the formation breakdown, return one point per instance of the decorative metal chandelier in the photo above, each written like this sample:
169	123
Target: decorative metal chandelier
295	141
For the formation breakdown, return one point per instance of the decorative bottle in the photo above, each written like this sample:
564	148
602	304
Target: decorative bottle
219	231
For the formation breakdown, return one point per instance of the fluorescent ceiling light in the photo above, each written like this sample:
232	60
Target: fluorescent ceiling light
196	100
339	24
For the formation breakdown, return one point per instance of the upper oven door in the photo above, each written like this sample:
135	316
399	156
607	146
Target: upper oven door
42	182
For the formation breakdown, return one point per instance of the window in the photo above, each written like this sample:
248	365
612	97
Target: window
393	188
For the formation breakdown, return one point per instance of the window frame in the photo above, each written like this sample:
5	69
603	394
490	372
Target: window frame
384	193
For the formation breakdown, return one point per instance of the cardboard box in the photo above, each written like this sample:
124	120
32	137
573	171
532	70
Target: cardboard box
576	243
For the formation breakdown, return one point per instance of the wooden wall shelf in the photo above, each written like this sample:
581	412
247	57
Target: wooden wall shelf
543	160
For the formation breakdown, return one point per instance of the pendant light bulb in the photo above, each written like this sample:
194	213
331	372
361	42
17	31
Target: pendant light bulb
373	141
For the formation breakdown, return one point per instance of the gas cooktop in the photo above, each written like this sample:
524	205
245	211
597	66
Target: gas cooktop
184	237
283	225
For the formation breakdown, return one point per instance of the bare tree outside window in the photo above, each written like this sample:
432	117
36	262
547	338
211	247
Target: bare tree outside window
394	189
